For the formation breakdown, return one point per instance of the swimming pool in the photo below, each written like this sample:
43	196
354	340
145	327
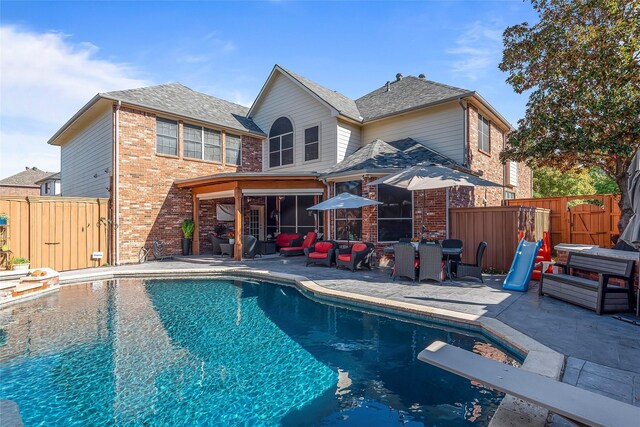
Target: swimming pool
226	352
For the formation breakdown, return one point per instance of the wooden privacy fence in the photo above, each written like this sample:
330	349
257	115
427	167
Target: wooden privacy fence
588	220
56	232
498	226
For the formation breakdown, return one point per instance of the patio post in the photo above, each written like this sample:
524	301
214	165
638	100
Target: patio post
237	250
196	223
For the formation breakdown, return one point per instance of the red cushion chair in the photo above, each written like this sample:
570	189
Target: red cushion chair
321	253
309	240
358	255
284	240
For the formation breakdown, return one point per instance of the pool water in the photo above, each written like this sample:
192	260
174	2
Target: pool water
226	352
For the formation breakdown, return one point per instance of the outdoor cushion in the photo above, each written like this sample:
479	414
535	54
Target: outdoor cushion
318	255
323	247
358	247
344	257
285	239
310	239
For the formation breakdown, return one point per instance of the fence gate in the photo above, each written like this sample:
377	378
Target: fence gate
586	225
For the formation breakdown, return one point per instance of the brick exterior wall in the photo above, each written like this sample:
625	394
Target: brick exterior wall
6	190
151	207
490	164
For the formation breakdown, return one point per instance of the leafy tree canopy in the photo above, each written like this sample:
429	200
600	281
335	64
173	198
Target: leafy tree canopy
603	182
548	182
581	62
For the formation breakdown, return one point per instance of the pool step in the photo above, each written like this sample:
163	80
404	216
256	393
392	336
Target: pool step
10	414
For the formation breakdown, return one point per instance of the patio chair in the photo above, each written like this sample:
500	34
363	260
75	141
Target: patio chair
431	265
250	247
473	270
297	247
322	253
215	243
405	261
359	255
158	251
452	259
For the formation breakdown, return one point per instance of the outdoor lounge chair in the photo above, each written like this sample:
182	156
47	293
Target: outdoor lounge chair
298	247
215	243
322	253
431	265
358	255
575	404
250	247
158	251
405	263
473	270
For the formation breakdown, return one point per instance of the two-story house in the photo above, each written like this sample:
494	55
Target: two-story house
166	153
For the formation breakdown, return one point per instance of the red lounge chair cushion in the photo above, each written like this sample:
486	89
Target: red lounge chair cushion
310	239
324	247
318	255
284	239
417	264
345	257
292	248
358	247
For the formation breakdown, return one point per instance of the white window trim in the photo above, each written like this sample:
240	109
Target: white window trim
224	155
480	123
202	143
177	122
268	145
304	143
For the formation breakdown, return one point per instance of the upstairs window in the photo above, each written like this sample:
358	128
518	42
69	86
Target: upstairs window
166	136
311	143
192	136
513	173
233	155
212	145
281	143
483	134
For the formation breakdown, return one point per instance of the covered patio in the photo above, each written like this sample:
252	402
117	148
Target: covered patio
257	200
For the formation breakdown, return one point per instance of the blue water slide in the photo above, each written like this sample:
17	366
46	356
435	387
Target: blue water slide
522	266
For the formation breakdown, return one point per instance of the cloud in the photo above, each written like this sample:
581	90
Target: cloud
479	49
46	78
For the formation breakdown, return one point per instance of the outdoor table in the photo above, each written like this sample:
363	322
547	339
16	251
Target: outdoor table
226	248
447	253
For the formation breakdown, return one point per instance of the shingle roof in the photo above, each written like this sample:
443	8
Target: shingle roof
406	94
50	177
180	100
379	154
344	105
27	178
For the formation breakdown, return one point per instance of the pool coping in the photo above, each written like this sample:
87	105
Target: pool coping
539	358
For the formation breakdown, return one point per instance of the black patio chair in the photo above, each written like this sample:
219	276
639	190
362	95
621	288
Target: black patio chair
405	261
473	270
215	243
453	259
250	247
431	265
322	253
358	255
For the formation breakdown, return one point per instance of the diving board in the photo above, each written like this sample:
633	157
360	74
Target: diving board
572	403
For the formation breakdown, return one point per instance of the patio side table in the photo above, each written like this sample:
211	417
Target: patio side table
226	249
267	247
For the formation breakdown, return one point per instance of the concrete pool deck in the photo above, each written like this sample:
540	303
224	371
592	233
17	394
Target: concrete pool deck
602	353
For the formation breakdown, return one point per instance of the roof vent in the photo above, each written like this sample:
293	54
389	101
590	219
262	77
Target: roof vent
398	77
388	86
422	76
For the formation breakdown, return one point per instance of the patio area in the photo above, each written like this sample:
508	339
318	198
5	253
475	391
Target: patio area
602	352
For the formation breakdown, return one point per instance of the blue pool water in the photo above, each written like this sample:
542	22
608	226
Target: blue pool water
225	352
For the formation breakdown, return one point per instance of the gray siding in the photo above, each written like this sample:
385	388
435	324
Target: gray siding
348	139
440	128
285	98
86	154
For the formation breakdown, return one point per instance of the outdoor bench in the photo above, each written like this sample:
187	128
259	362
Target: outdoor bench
597	295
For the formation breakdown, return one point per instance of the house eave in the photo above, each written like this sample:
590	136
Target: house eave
418	108
332	176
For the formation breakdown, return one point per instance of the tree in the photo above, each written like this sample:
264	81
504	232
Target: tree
548	182
581	62
603	182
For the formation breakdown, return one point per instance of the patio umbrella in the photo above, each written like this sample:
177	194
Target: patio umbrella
431	177
344	201
631	234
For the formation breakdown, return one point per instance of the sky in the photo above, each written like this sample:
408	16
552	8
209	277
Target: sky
55	56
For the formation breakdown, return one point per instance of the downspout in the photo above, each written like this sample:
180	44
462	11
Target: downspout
116	182
327	228
465	159
504	170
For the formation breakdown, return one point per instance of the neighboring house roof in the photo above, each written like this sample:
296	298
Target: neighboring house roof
53	177
344	105
407	94
27	178
384	156
180	100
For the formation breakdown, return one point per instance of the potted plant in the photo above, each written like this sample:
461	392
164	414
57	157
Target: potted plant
187	229
219	230
3	218
19	263
232	237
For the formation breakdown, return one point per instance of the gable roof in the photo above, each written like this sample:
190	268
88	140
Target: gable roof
175	98
384	156
335	100
407	94
27	178
53	177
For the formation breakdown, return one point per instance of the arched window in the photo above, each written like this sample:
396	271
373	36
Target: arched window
281	143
